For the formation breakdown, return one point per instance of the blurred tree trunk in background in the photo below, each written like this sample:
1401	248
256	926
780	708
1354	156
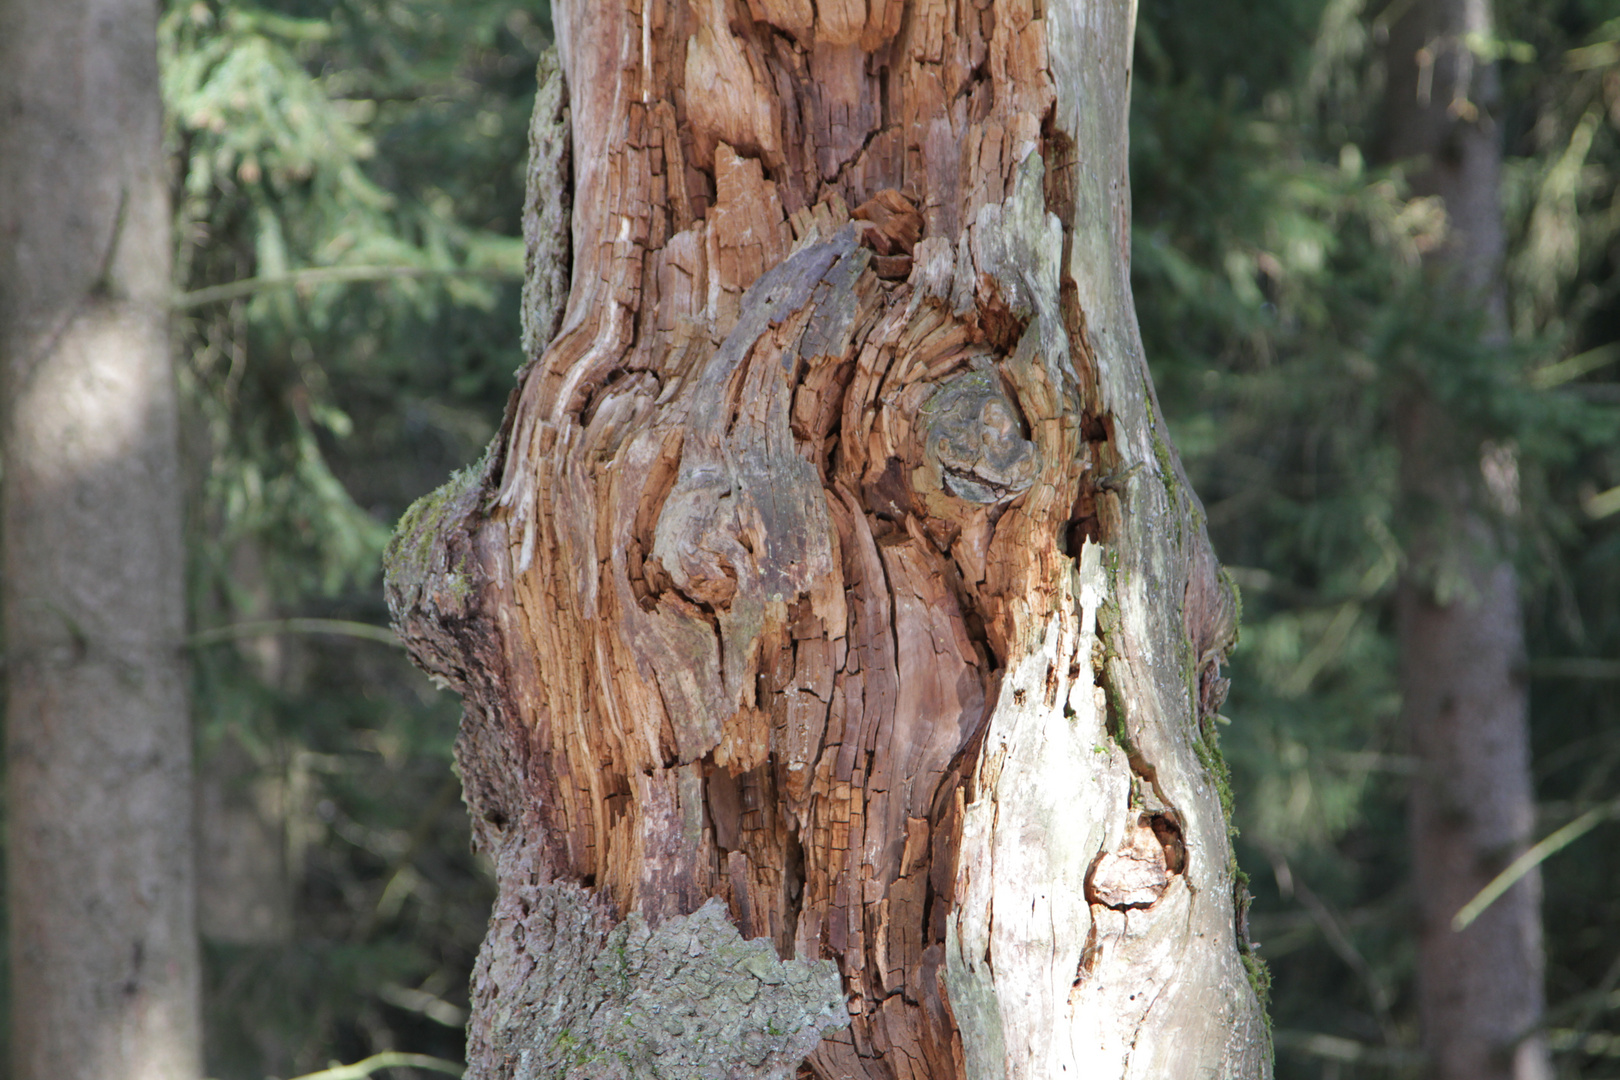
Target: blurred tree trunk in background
833	580
99	812
1460	626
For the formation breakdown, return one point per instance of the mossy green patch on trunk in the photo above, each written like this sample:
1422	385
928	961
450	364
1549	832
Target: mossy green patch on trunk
409	559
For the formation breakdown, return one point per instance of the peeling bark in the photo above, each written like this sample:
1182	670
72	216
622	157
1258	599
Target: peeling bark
833	562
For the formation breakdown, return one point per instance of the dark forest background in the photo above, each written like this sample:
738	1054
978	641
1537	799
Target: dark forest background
358	165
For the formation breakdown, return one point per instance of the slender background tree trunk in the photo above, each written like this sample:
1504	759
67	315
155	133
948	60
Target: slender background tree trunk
840	639
104	969
1460	626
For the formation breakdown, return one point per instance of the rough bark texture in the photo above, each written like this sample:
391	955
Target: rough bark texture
98	743
1460	627
833	563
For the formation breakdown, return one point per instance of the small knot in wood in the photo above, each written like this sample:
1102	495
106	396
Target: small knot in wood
975	436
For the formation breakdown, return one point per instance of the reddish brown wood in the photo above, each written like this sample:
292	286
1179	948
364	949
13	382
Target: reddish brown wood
785	498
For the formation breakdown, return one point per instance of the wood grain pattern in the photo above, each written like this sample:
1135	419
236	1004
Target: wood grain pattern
779	547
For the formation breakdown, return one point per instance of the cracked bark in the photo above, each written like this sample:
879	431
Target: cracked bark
833	564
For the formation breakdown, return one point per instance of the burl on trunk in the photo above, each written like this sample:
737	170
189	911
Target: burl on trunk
839	637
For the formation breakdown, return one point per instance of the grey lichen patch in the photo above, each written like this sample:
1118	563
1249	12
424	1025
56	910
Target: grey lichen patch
1110	629
1019	244
975	438
547	209
976	1008
689	1000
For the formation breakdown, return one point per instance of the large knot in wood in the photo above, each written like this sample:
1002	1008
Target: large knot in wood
698	543
741	534
974	435
1137	873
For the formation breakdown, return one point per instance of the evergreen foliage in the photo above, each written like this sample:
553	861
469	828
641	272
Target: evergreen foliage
1283	307
1284	311
385	141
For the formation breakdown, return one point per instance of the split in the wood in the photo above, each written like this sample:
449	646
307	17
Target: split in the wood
782	504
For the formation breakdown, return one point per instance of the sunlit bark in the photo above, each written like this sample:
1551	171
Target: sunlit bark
839	636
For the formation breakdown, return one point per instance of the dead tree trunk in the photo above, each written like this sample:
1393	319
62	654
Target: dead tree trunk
99	862
839	635
1466	706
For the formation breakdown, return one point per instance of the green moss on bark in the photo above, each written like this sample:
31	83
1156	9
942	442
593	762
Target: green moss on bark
409	559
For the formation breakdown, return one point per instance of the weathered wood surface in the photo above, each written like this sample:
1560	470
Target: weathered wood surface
833	561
